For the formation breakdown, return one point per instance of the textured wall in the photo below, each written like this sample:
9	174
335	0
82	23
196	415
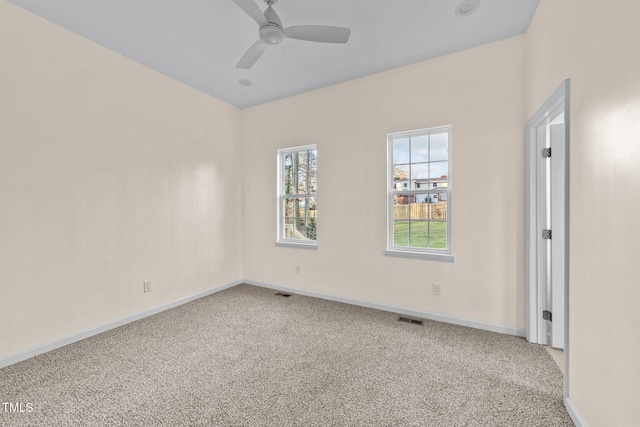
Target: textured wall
595	44
110	174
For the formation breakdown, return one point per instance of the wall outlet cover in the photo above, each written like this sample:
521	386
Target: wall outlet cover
437	289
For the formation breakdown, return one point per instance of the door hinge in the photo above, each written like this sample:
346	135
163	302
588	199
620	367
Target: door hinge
546	315
546	234
546	152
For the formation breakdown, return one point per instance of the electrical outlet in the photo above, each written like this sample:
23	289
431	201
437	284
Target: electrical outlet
437	289
297	269
146	286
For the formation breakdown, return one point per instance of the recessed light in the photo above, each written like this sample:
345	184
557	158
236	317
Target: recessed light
245	82
467	7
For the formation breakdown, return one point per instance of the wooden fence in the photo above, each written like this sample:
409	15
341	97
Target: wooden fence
421	211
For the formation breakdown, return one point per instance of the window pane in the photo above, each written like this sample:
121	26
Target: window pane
306	207
313	161
287	174
401	233
420	149
299	208
400	172
313	181
420	172
439	174
431	198
302	182
288	160
288	229
419	207
302	161
287	208
419	236
439	149
300	230
288	184
300	218
401	206
437	235
438	206
310	231
403	200
311	203
400	151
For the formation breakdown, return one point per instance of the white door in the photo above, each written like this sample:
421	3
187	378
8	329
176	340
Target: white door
547	201
552	229
551	201
558	228
547	241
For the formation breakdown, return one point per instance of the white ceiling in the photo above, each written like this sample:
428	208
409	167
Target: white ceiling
199	42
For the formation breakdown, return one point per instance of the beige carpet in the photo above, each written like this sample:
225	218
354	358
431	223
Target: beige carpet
245	357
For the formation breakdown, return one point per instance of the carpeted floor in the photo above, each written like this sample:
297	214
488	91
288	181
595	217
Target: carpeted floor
245	357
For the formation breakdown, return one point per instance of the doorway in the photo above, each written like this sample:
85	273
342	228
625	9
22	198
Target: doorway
547	223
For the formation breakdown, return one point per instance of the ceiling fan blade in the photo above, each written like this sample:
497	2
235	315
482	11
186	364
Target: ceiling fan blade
252	55
318	33
252	9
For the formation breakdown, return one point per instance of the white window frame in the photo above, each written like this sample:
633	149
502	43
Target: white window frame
445	255
280	239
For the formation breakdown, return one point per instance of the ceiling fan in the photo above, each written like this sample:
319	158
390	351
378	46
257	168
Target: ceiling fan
272	32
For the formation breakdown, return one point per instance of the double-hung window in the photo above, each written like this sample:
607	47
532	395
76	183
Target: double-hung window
297	205
419	194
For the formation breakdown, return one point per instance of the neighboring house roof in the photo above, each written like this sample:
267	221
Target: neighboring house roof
444	179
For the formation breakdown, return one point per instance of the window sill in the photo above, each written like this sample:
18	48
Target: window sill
311	246
420	255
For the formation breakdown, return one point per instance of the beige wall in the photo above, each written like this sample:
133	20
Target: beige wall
481	93
595	44
110	174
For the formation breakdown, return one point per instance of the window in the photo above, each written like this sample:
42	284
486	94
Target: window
297	206
419	195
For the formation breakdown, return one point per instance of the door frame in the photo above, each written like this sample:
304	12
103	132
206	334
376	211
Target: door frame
536	332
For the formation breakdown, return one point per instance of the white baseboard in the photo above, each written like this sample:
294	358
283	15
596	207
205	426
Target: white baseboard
477	324
69	339
573	413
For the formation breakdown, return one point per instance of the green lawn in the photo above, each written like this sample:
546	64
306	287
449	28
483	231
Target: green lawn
432	235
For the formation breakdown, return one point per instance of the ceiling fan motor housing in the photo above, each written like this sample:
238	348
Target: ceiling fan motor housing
271	33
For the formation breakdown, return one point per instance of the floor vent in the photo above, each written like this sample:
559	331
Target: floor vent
281	294
408	320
